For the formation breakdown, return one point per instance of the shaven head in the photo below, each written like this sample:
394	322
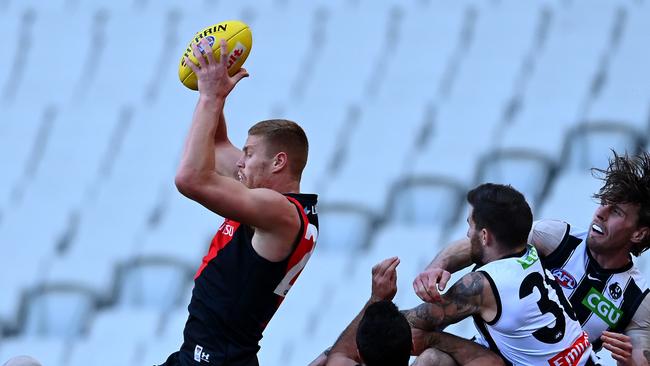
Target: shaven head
281	135
627	180
22	361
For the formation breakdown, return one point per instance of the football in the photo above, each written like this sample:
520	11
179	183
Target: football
239	38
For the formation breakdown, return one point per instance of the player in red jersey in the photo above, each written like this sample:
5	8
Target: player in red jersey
270	227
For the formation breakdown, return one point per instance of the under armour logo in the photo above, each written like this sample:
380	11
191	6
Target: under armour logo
199	355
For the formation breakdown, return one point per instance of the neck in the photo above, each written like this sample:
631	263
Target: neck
286	187
613	260
499	253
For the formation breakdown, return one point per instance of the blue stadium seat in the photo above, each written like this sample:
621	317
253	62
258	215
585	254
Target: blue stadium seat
28	251
58	311
108	328
336	84
415	246
23	132
48	351
429	30
343	227
591	144
376	155
12	25
425	201
569	199
73	155
156	283
327	130
117	59
183	231
527	171
48	46
568	60
623	97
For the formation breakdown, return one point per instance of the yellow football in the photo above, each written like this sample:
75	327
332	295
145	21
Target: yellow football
239	38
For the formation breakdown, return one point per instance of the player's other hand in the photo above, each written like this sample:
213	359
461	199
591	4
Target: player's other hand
212	75
428	284
384	279
620	346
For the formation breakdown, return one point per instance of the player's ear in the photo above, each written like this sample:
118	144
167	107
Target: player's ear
280	160
640	234
485	236
359	356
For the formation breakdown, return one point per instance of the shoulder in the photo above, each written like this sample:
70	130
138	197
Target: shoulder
339	359
547	235
641	317
638	328
280	207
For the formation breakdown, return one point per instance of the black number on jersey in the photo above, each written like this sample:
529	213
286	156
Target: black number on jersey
568	309
549	334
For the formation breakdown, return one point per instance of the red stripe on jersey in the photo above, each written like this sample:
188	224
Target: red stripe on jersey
221	239
304	247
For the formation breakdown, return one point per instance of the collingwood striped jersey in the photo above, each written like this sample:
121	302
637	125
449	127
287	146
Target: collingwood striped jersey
534	324
603	299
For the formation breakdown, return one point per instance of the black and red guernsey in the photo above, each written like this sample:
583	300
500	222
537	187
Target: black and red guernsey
236	291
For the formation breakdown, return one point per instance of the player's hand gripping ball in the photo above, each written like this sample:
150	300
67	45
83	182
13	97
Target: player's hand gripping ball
239	39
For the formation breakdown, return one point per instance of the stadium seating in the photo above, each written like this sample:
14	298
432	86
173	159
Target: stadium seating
407	104
108	329
58	311
591	144
570	199
49	351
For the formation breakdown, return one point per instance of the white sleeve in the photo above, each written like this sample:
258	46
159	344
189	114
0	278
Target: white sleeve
547	235
639	327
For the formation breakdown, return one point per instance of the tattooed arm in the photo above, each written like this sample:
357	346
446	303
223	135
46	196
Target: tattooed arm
451	350
471	295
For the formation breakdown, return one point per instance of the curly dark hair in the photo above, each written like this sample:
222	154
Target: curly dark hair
627	180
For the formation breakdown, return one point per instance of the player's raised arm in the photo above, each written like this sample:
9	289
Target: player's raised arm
433	279
197	177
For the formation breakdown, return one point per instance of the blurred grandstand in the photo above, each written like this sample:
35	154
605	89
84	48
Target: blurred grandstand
407	105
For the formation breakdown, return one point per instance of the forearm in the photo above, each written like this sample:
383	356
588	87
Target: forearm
221	134
198	156
468	296
641	357
454	257
463	351
426	316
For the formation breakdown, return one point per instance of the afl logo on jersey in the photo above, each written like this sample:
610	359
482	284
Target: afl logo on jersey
564	278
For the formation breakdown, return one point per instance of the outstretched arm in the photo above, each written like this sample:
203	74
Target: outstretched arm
384	286
197	176
471	295
434	278
462	351
545	235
